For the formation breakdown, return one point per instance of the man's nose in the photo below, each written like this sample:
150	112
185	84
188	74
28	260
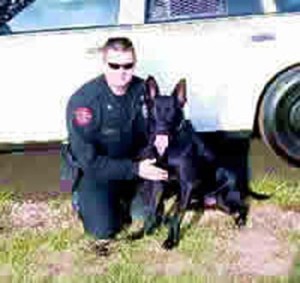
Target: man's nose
123	72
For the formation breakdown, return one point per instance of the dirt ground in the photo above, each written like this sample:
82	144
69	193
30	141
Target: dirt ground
263	247
260	249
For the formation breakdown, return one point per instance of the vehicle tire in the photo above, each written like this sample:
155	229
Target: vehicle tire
279	116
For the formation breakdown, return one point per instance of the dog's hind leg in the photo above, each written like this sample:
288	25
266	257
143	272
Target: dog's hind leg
238	206
230	199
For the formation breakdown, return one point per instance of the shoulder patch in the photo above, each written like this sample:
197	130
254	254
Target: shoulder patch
83	116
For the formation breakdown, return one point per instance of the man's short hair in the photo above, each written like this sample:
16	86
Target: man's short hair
118	44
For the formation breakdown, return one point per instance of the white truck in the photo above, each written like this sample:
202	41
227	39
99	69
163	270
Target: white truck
241	60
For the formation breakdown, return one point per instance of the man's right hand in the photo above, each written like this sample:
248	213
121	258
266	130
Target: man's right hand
150	172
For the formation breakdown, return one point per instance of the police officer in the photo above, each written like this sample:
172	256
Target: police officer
106	129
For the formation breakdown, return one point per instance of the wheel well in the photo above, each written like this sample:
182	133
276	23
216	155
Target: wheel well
255	132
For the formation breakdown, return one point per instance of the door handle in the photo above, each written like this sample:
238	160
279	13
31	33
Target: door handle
261	37
92	50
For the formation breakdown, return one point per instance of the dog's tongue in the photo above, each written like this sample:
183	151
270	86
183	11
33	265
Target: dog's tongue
161	143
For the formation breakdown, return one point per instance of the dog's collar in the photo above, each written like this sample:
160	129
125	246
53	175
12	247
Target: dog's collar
174	132
180	126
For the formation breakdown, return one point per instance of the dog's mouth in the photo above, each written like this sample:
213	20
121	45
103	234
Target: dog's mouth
163	129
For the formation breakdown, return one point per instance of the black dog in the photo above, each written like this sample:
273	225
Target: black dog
193	168
170	144
176	148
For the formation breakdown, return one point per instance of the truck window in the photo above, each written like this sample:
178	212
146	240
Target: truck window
38	15
168	10
245	7
289	6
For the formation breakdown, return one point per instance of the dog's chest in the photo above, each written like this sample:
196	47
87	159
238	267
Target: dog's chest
172	157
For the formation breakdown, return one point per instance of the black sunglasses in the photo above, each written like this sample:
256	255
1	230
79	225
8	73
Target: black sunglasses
116	66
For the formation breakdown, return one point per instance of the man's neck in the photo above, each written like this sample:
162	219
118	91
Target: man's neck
118	90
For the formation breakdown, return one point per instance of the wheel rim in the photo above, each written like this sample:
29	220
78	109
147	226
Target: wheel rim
294	118
287	121
279	116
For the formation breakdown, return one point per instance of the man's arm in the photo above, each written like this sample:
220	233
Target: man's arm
139	133
140	121
82	120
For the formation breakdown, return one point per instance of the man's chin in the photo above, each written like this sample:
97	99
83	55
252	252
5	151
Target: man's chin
122	84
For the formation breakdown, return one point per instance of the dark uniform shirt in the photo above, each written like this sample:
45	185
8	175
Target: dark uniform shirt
105	130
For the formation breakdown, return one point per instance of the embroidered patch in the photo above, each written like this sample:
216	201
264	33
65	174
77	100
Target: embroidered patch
83	116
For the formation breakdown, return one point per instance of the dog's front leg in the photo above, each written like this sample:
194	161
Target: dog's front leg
183	199
174	229
153	206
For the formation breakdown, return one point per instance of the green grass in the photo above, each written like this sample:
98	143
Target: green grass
6	195
25	255
284	193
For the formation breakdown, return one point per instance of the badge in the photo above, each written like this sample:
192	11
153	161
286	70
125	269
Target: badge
145	111
83	116
142	98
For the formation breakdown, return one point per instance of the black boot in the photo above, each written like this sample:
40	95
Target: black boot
126	218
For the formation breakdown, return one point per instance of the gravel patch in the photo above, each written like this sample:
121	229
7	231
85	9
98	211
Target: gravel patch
262	248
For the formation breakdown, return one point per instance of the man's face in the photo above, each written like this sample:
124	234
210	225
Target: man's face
118	67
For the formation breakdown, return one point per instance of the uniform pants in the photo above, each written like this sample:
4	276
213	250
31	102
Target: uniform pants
104	207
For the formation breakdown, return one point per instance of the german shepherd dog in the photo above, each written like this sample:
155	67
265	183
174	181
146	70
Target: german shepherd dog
176	148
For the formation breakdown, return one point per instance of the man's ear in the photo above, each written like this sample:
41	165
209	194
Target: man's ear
180	92
152	89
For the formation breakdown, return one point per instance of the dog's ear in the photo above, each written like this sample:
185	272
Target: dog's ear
152	89
180	92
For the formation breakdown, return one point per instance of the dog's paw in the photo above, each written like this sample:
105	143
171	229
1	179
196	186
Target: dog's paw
136	235
101	248
169	244
240	220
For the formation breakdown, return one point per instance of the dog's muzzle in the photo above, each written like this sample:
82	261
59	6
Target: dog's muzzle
163	129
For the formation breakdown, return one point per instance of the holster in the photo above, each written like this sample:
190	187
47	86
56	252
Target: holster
70	168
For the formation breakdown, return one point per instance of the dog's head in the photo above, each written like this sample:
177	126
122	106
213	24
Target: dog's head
165	111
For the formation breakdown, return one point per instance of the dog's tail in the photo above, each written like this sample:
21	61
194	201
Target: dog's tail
230	180
258	196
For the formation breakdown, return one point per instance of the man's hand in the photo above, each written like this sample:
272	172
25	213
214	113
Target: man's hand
150	172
